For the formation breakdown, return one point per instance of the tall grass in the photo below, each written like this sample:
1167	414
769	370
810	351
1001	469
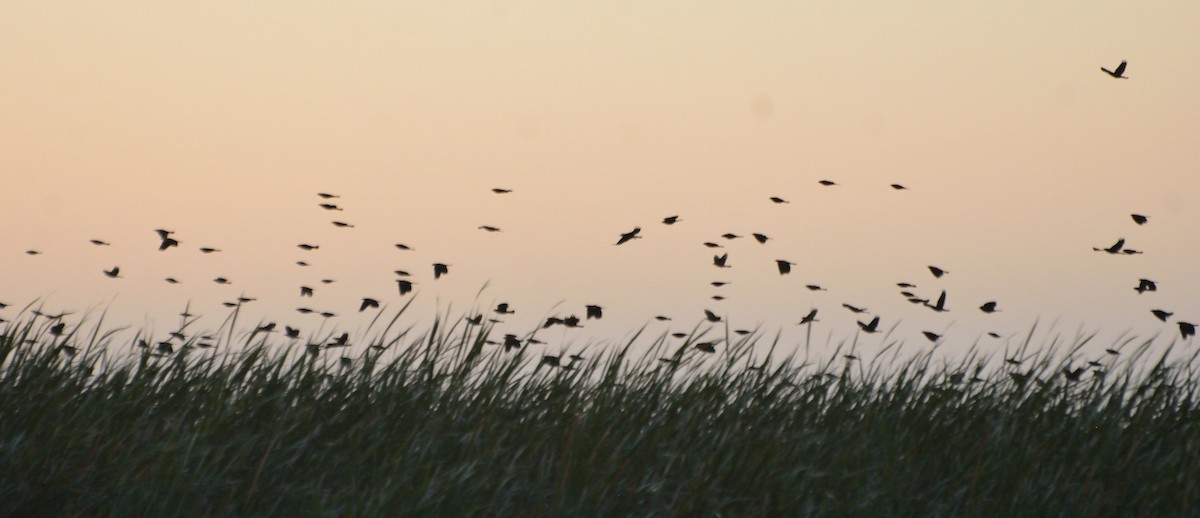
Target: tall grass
444	423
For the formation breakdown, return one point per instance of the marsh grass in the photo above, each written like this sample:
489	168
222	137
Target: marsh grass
442	423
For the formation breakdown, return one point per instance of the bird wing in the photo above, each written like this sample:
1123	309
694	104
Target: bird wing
1120	69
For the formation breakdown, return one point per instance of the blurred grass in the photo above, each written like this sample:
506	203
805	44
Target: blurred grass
443	423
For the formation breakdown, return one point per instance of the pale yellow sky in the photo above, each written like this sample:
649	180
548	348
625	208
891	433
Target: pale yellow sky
221	120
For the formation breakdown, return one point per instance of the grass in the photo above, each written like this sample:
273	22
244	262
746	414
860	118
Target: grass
442	423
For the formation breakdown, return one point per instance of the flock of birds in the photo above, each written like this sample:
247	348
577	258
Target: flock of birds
405	285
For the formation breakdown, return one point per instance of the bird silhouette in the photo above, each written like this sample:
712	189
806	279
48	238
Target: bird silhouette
988	307
167	240
632	234
305	291
854	309
511	342
662	318
871	327
499	190
330	206
814	287
304	311
1139	219
327	281
475	320
291	332
707	347
368	303
403	246
328	314
98	242
341	341
761	238
785	267
941	303
342	224
1130	251
301	263
777	199
405	286
551	322
550	360
489	228
1073	374
1114	249
402	273
809	318
931	336
827	183
710	244
898	187
1161	314
571	321
730	235
266	328
906	285
1119	73
1186	329
57	329
718	283
718	297
36	252
719	260
712	317
502	308
306	246
113	273
671	220
221	280
679	335
594	311
327	196
439	269
1145	285
209	250
937	272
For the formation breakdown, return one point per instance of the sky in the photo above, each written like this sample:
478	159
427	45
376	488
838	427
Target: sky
222	120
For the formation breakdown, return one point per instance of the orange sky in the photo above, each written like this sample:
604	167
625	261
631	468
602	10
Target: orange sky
221	121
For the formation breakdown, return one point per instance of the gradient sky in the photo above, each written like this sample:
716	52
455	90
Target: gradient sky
221	120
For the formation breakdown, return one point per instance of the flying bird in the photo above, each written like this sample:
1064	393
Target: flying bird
511	342
291	332
402	246
113	273
761	238
305	291
937	272
35	252
98	242
871	327
306	246
342	224
1186	329
898	187
1139	219
777	199
489	228
933	337
594	311
1114	249
730	235
785	267
342	341
327	195
439	269
401	273
405	286
502	308
662	318
632	234
719	260
167	240
809	318
906	285
710	244
707	347
941	303
57	329
221	280
814	287
368	303
301	263
671	220
1145	285
827	183
712	317
988	307
499	190
327	281
1119	73
209	250
330	206
1161	314
854	309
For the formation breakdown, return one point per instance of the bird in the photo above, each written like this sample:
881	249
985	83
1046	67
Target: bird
718	283
730	235
342	224
937	272
1119	73
1130	251
550	360
933	337
827	183
710	244
439	269
1114	249
707	347
571	321
941	303
1073	375
57	329
167	240
403	246
475	320
341	341
761	238
671	220
1139	219
718	297
871	327
552	321
719	260
898	187
1186	329
327	195
34	252
988	307
368	303
662	318
265	328
1161	314
712	317
679	335
327	281
502	308
113	273
405	286
809	318
1145	285
304	311
330	206
785	267
402	273
209	250
306	246
594	311
511	342
500	190
302	263
98	242
632	234
305	291
291	332
489	228
165	348
854	309
906	285
777	199
814	287
221	280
